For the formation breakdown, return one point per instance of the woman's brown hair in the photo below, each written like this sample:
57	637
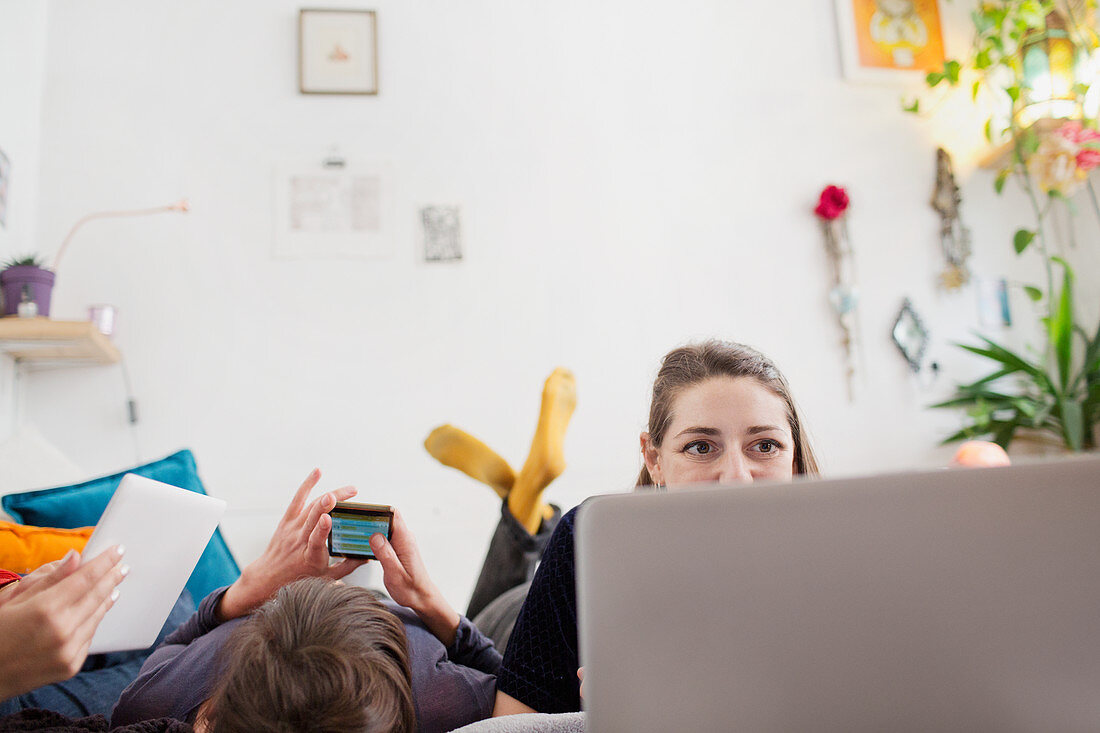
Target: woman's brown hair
689	365
318	657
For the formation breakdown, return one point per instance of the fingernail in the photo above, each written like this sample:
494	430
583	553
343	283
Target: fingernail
68	556
114	595
124	570
120	550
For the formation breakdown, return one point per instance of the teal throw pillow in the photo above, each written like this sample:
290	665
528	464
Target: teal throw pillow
81	505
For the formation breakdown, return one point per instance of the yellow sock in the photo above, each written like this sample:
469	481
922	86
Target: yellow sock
546	460
458	449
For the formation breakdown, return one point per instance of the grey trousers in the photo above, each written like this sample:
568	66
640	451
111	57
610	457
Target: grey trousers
506	574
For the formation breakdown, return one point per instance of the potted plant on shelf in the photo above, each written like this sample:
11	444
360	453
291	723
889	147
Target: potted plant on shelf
29	276
1038	57
23	278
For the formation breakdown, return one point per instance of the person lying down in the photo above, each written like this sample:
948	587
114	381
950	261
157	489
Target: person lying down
288	647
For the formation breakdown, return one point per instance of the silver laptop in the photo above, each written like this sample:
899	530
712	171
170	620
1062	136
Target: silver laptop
953	600
165	530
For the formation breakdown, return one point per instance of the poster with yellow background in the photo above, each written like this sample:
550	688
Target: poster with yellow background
898	34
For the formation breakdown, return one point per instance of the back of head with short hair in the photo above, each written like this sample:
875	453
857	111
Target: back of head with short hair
319	657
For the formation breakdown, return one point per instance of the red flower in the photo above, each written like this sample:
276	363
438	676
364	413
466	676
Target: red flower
833	203
1077	133
1088	158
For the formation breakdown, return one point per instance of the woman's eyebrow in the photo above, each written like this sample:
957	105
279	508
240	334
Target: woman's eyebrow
699	430
763	429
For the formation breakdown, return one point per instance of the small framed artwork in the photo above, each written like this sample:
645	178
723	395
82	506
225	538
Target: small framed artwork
887	41
337	51
442	234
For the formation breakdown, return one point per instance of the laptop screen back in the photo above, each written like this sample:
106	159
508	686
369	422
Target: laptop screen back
949	600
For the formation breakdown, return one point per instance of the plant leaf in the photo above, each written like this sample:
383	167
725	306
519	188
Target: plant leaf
913	107
1010	359
1022	239
1034	293
964	434
1073	424
1002	176
1061	332
933	78
1003	434
951	71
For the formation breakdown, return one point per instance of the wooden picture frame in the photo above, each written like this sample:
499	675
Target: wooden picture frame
890	41
337	51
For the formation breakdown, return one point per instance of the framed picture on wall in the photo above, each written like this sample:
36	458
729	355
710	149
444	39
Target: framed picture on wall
889	40
337	51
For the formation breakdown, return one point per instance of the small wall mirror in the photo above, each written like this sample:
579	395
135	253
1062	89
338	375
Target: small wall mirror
910	335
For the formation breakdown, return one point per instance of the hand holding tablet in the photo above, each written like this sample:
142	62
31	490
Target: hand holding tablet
49	618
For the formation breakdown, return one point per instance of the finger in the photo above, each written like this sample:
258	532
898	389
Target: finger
51	574
300	496
83	580
86	630
104	590
345	567
399	520
391	563
404	542
317	544
41	573
325	503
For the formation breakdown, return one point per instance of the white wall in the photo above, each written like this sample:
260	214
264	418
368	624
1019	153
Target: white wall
22	61
632	176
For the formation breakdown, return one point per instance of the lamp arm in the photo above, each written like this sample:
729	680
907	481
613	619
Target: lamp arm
182	206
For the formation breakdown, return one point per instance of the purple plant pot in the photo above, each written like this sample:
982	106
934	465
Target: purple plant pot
38	281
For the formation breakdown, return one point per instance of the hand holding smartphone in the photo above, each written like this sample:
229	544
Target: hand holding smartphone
352	527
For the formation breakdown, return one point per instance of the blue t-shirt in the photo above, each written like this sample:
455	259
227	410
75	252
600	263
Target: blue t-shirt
541	660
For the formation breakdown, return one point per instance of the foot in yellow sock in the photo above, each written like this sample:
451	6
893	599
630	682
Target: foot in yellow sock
546	460
458	449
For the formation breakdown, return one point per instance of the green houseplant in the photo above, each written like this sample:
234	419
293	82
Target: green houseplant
1036	58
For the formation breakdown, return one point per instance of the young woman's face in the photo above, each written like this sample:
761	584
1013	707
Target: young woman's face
724	430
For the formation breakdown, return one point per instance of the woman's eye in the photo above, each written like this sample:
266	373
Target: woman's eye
698	448
767	446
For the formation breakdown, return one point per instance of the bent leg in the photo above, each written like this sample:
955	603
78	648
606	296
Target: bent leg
511	559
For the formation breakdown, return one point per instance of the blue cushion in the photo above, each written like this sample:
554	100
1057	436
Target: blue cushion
80	505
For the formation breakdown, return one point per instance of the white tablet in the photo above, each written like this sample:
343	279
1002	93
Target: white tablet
164	530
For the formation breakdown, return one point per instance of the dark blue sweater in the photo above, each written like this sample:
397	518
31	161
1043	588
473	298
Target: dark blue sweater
452	686
540	663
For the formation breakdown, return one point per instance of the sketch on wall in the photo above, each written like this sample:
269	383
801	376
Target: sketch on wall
442	233
332	209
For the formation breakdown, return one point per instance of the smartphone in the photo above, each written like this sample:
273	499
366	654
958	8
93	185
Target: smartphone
352	527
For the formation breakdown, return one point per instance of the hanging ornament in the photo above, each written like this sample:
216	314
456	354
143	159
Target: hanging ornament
954	237
831	211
